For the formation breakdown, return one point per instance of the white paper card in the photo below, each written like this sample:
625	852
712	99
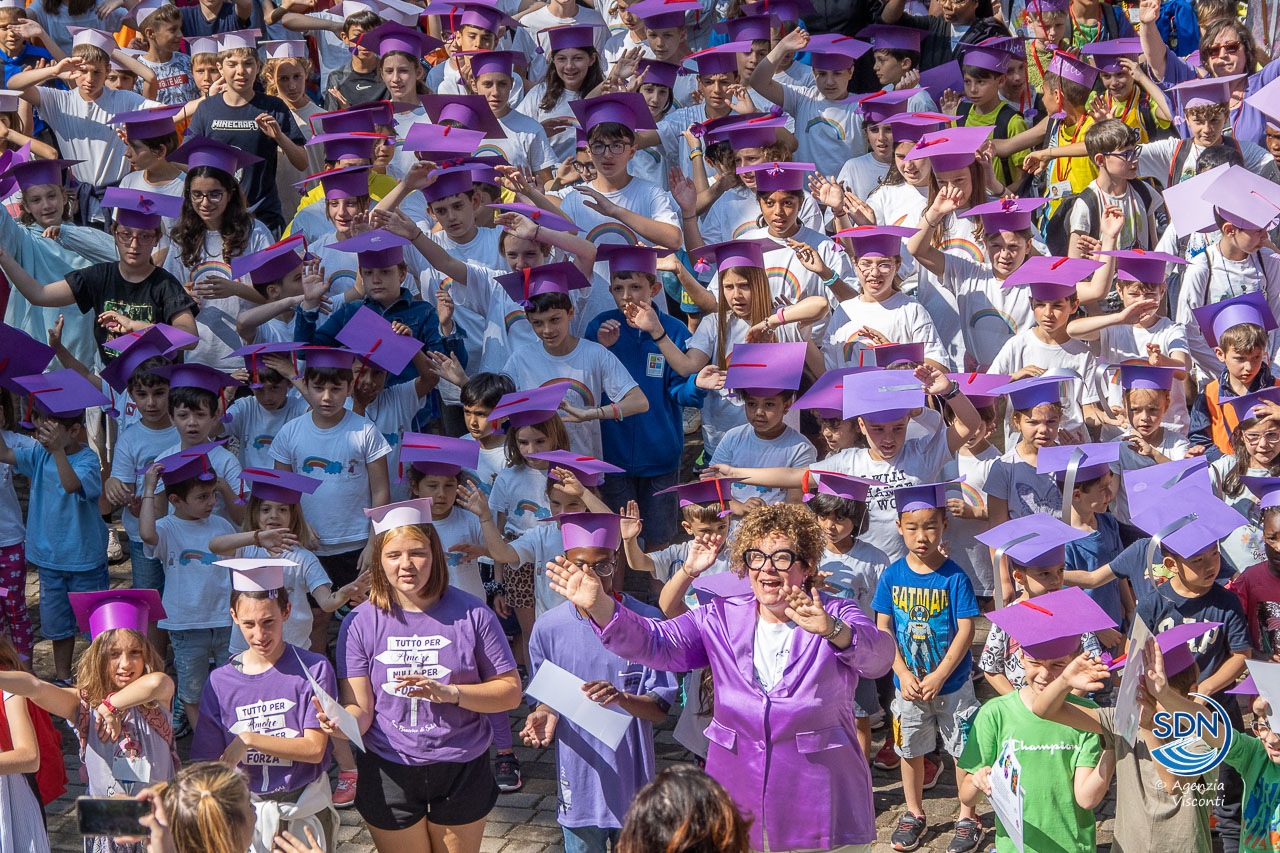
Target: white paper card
1266	677
562	690
341	717
1128	712
1006	794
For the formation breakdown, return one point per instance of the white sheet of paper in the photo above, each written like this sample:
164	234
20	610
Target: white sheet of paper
562	690
1128	713
1266	677
1006	794
342	718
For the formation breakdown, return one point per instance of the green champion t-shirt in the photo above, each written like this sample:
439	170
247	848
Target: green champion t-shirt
1260	817
1048	753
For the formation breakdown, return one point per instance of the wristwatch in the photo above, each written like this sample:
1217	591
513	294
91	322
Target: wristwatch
837	626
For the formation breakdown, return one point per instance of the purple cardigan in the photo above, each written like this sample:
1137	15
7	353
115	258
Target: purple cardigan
790	757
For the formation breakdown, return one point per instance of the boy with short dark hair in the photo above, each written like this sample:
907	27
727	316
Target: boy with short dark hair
359	81
984	67
161	25
1113	147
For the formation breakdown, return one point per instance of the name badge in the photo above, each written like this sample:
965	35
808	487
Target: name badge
1059	189
657	363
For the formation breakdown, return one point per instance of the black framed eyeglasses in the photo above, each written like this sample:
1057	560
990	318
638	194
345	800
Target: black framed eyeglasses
782	560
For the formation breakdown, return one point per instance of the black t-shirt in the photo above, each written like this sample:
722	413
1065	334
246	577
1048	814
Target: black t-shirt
1165	608
356	87
158	298
236	127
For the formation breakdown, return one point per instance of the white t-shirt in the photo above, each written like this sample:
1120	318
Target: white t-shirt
491	462
224	463
457	527
1026	348
304	578
526	145
392	413
829	132
970	554
899	318
648	200
592	372
1155	159
771	650
540	546
331	49
1015	481
196	592
339	457
84	134
1212	278
856	573
136	448
742	447
254	428
863	174
620	42
898	204
564	143
521	493
990	314
941	303
1139	229
1126	344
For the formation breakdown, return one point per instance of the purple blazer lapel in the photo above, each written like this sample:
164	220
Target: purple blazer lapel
740	622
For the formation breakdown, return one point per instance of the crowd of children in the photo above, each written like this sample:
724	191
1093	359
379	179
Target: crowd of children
662	358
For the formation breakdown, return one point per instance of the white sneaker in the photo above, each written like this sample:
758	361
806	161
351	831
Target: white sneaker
692	419
115	551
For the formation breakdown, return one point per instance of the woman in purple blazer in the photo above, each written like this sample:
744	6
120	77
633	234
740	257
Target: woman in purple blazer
785	661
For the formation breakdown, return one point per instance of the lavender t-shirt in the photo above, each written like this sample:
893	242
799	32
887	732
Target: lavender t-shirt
458	641
277	703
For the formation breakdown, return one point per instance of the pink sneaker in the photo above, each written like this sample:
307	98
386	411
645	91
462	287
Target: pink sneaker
344	796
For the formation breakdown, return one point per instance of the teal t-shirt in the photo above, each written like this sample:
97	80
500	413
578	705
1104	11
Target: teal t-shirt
1049	754
1260	820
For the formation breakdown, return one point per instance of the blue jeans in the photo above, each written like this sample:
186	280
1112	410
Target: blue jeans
589	839
57	620
148	572
192	648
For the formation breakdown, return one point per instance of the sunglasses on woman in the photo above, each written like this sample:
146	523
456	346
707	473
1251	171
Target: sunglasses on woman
1218	50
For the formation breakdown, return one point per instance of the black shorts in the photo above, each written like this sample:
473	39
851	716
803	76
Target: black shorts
390	795
341	568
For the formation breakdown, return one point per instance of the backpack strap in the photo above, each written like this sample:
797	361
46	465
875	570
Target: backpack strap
1179	159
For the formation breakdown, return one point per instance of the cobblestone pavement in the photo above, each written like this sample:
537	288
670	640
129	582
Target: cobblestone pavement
525	821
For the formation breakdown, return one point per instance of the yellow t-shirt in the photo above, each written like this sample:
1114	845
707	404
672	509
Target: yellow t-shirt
1129	113
1078	171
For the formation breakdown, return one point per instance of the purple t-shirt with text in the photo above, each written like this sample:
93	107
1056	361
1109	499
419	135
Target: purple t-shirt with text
457	641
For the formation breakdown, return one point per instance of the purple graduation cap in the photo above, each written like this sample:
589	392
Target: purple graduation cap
788	11
1034	541
1217	317
1091	460
747	28
779	177
1205	91
272	263
1006	214
890	37
471	111
707	588
486	16
589	470
560	277
59	394
1167	479
1047	7
391	36
408	513
362	118
1187	520
147	124
345	182
1243	407
449	181
1072	68
1246	687
1267	101
141	208
763	370
376	249
131	609
980	388
950	149
1107	54
529	406
721	59
438	455
494	62
1049	626
1049	278
875	241
625	108
911	127
435	142
1032	391
1174	648
1141	266
1266	488
251	574
200	151
624	258
989	54
713	490
590	530
253	355
347	146
835	52
370	336
333	358
571	37
286	487
196	375
22	355
665	14
940	78
284	49
825	397
135	348
841	485
1144	377
192	463
881	105
659	73
759	131
545	218
38	173
882	396
94	38
922	496
8	157
887	355
1244	199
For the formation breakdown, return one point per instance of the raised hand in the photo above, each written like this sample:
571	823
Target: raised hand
949	200
55	334
576	583
710	378
809	258
569	482
516	224
934	380
1086	673
277	540
631	523
607	334
796	40
704	550
683	191
642	317
806	610
597	202
949	103
1134	312
447	367
267	124
474	501
1112	222
828	193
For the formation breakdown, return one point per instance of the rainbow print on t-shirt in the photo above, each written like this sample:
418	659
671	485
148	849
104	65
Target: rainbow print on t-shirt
821	121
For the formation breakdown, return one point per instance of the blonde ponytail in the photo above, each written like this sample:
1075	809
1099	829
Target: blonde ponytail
208	808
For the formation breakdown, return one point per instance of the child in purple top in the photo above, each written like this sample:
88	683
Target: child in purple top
420	664
257	712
